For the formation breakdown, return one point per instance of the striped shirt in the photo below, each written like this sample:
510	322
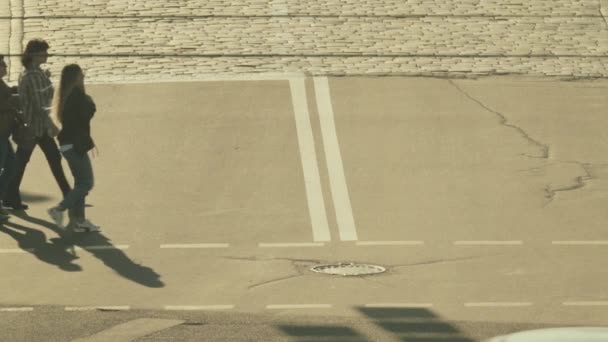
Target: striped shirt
36	94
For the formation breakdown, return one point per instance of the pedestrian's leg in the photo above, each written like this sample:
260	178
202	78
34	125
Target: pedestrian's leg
53	157
7	170
12	197
80	165
87	181
7	166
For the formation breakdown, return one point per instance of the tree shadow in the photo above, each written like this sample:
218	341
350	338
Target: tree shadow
109	254
309	333
407	324
34	242
414	324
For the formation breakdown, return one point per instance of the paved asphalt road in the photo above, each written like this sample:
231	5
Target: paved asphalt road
484	199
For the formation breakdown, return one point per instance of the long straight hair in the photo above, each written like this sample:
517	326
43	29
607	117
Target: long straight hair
69	81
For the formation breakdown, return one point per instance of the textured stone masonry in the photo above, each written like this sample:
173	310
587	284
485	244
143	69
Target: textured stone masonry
312	7
131	39
117	69
321	36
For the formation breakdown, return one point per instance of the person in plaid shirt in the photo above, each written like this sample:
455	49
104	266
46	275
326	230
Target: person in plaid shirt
36	94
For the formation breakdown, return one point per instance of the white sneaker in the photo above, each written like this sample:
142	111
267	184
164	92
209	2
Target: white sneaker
57	216
85	226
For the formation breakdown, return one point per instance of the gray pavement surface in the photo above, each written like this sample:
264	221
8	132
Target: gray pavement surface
482	198
229	166
54	324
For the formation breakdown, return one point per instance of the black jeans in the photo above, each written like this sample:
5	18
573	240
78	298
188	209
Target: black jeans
7	164
53	157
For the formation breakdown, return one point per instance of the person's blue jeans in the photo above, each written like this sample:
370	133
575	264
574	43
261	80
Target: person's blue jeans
82	170
7	165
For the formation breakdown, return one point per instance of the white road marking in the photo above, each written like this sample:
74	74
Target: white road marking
498	304
16	309
580	243
310	165
98	248
488	243
93	308
16	250
131	330
389	243
299	306
335	168
196	245
294	244
198	307
399	305
433	336
585	303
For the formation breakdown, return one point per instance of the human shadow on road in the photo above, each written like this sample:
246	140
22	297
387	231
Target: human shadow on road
111	256
32	197
34	241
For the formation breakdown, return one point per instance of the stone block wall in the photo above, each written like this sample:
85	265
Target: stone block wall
145	40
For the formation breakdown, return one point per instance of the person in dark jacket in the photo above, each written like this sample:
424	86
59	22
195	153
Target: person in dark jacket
35	93
74	109
9	105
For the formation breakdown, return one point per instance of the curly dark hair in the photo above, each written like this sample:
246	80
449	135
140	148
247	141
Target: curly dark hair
33	46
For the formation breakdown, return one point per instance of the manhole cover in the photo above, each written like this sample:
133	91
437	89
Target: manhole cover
348	269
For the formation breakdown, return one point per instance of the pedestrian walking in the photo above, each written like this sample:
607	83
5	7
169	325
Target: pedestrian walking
74	109
35	93
9	106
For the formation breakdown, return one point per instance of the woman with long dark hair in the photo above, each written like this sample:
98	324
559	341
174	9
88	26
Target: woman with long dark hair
74	109
35	93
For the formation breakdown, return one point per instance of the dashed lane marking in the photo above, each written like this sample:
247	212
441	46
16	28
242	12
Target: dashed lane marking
290	244
198	307
195	245
399	305
299	306
101	248
24	309
15	250
498	304
488	243
389	243
580	243
598	303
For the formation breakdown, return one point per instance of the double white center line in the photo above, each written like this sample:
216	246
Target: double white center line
333	157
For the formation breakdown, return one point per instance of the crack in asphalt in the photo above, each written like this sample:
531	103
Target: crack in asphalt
295	263
277	280
443	261
579	182
550	193
504	121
